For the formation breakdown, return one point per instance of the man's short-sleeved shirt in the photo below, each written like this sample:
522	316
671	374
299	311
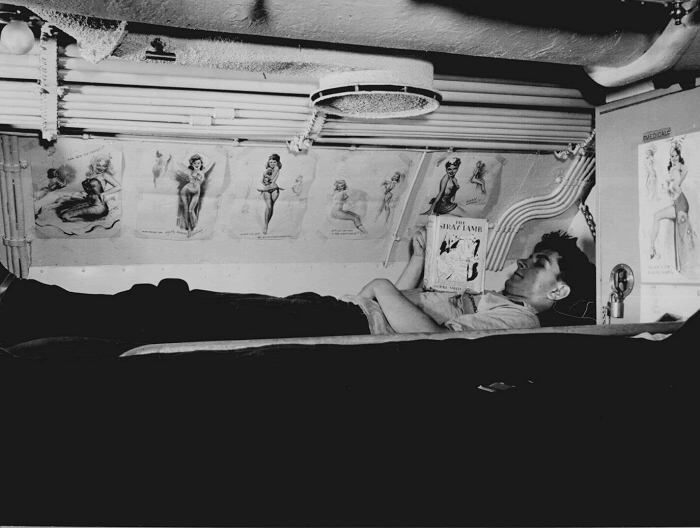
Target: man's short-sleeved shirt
494	311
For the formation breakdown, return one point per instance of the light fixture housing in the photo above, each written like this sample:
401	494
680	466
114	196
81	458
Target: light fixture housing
378	94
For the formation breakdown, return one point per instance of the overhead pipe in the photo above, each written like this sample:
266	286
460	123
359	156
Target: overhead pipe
239	131
469	133
235	125
116	65
19	87
504	226
19	98
435	125
521	112
169	129
445	143
452	120
447	140
567	196
67	106
505	89
18	72
69	76
15	109
452	90
161	94
20	121
202	120
506	99
459	128
78	99
548	210
30	60
547	206
663	54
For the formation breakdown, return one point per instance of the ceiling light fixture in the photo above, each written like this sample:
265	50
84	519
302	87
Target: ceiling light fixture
377	94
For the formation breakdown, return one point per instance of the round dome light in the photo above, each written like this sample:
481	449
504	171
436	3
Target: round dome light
17	37
377	94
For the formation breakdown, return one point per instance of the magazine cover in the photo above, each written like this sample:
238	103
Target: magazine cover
455	253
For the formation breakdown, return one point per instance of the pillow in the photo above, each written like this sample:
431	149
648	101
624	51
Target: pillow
569	313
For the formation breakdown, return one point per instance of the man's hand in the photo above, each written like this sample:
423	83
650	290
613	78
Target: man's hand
411	276
418	242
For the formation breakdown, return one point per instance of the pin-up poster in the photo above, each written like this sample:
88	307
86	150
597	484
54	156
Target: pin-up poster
669	209
179	190
460	184
360	193
270	193
77	189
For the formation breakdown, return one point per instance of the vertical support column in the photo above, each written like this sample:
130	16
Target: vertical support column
48	81
395	237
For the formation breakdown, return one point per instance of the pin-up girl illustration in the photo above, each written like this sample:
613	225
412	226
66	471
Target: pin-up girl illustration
298	186
160	167
90	206
677	211
102	168
270	190
650	168
340	197
386	203
56	181
444	202
478	176
191	190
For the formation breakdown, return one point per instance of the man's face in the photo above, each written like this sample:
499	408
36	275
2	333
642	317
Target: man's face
535	277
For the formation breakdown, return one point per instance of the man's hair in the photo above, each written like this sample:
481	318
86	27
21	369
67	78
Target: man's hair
575	269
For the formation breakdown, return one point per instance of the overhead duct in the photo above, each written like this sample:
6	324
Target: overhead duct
663	54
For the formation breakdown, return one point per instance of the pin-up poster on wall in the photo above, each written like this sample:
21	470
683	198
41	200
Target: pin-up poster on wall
461	184
360	193
77	189
270	192
669	209
179	190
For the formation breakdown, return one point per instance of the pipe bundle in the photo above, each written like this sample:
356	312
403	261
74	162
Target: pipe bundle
170	100
548	206
12	205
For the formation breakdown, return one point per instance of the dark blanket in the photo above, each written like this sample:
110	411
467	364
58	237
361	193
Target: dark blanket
583	430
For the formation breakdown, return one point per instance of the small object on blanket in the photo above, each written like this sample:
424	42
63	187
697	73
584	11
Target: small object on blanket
499	386
651	337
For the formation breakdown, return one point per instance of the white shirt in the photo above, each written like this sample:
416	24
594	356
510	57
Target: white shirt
494	311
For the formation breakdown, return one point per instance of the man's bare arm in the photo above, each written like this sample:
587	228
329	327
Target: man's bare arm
413	272
403	316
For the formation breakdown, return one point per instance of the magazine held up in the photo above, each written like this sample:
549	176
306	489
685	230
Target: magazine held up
455	253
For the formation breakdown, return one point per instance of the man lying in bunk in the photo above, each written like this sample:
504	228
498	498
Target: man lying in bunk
171	312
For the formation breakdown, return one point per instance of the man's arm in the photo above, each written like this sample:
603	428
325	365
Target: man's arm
403	316
413	272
